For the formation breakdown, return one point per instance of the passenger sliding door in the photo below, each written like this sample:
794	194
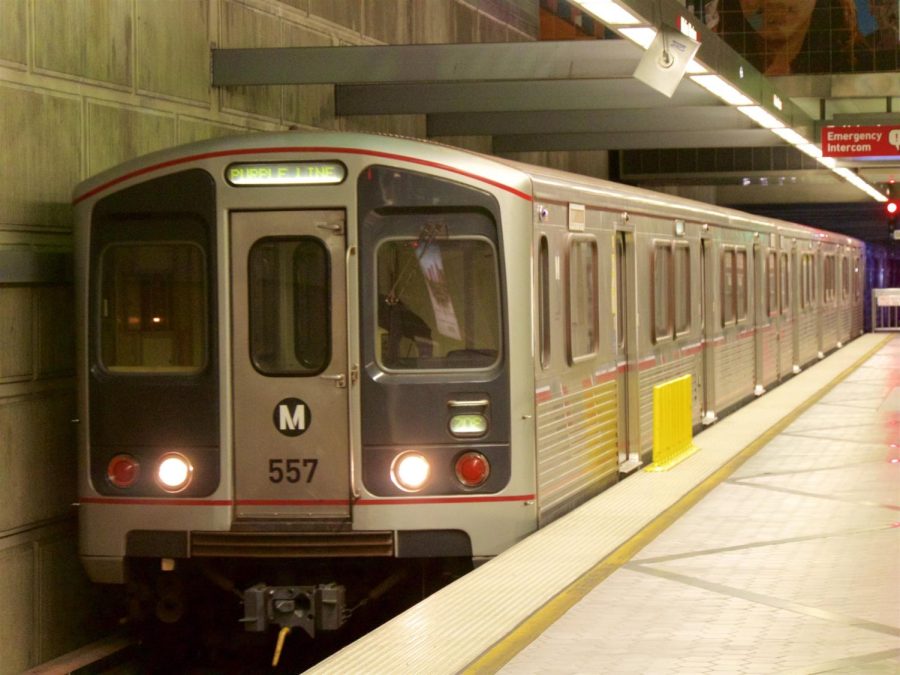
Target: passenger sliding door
289	360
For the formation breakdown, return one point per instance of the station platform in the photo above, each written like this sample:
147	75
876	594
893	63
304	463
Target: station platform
775	549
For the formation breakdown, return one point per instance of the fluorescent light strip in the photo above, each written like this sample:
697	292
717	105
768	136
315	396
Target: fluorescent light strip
609	12
761	116
719	87
810	149
642	36
790	136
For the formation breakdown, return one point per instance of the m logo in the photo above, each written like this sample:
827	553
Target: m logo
292	417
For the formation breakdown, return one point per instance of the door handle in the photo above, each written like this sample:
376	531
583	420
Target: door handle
340	381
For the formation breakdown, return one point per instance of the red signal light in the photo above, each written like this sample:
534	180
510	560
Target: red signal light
891	207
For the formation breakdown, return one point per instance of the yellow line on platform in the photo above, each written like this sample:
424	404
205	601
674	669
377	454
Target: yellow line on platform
531	628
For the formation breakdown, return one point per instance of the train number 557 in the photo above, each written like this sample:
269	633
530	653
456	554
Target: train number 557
292	470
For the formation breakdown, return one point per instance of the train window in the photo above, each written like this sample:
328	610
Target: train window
804	281
845	278
772	281
829	282
290	306
544	297
583	310
153	308
682	287
620	286
740	284
438	304
662	286
785	284
727	287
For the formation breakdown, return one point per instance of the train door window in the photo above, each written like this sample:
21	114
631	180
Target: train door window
620	291
662	286
583	310
772	281
682	287
857	280
153	308
290	301
845	278
727	286
805	270
740	284
829	281
813	275
544	298
438	303
785	284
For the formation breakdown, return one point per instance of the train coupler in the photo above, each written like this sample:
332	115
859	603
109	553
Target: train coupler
312	608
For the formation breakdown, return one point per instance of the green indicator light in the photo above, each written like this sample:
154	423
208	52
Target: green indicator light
468	425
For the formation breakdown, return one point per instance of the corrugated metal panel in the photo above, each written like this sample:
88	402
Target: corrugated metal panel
809	338
577	444
735	366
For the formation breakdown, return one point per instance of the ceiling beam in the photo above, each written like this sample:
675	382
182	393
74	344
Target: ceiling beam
408	99
687	118
641	140
485	62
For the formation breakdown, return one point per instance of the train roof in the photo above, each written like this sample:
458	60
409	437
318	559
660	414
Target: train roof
513	176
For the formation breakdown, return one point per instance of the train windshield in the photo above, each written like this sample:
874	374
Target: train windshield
153	313
438	303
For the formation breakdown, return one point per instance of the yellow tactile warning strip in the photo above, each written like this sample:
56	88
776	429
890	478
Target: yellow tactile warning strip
501	653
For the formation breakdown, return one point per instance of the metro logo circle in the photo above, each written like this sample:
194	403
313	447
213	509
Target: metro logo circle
291	416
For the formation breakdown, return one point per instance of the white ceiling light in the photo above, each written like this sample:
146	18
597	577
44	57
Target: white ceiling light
642	36
716	85
810	149
609	12
761	116
790	136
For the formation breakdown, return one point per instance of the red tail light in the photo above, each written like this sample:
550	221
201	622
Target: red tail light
122	471
472	469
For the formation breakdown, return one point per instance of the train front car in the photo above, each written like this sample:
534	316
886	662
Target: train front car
305	361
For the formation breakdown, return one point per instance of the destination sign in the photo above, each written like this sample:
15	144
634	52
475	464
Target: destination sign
285	173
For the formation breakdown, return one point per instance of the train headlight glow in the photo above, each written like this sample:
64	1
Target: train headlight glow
472	469
174	472
123	471
410	471
468	425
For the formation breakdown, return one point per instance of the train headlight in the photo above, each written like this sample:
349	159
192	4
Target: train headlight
410	471
174	472
468	426
123	471
472	469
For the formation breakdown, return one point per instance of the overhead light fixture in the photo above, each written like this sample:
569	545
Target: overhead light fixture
609	12
810	149
830	162
694	67
642	36
719	87
761	116
790	136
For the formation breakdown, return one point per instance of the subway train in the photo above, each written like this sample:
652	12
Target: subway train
312	362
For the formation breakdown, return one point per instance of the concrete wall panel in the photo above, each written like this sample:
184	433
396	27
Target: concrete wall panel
117	134
245	27
173	39
66	611
45	130
59	44
388	21
191	130
17	639
55	307
16	334
431	22
346	13
13	35
36	451
311	105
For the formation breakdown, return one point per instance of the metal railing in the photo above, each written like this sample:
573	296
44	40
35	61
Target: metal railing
885	309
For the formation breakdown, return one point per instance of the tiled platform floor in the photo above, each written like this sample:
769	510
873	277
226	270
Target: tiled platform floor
790	566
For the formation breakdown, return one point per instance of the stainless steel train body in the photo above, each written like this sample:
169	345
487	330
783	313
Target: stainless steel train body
308	349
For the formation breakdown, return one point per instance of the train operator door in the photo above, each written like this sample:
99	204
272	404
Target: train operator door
289	356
